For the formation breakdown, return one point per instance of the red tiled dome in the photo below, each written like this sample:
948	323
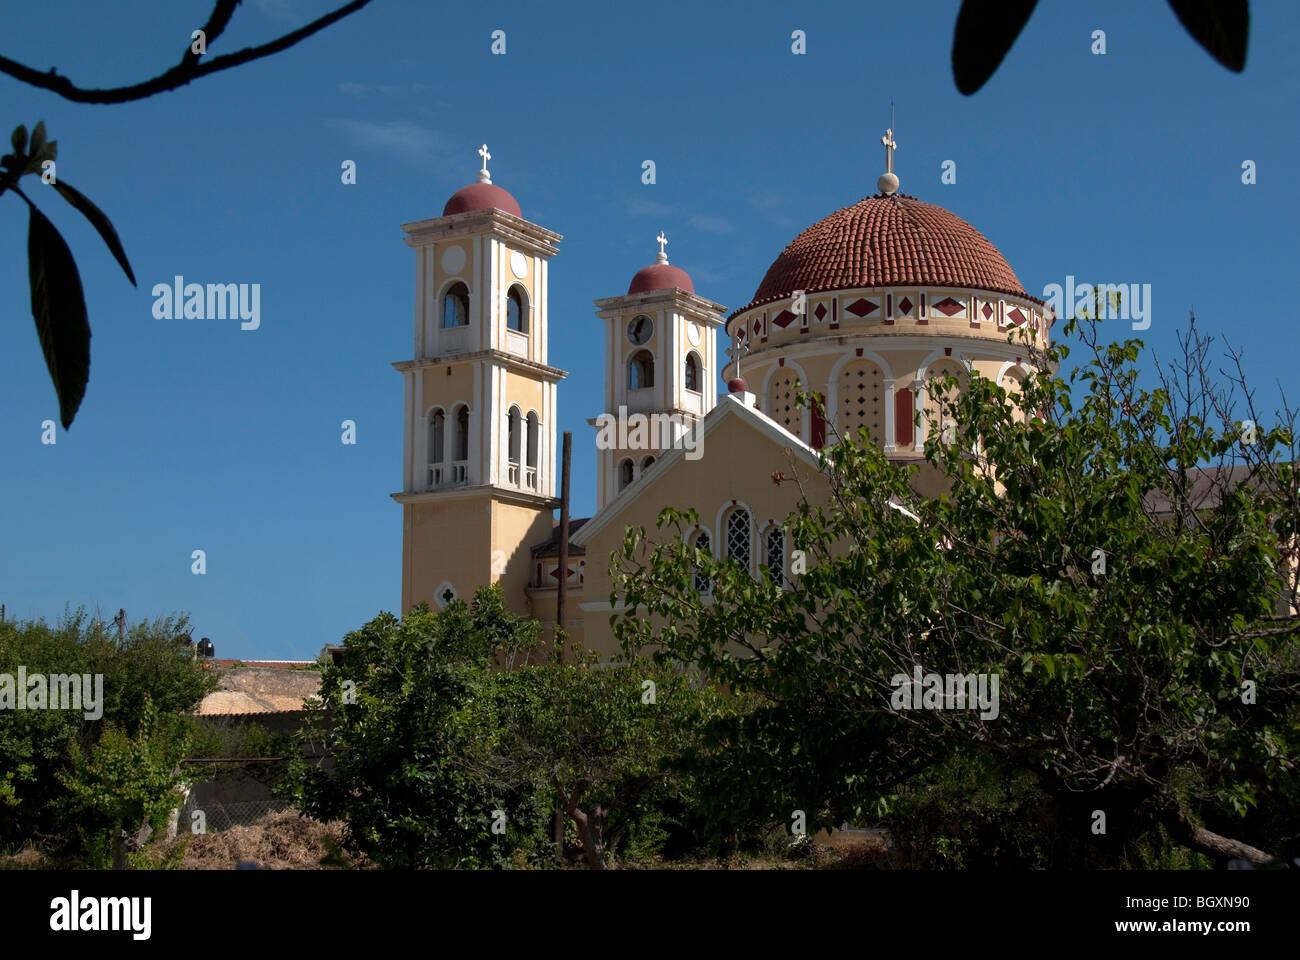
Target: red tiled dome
481	196
660	276
887	241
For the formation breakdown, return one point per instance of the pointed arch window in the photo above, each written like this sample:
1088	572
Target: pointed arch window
775	555
738	537
702	583
455	306
641	370
516	310
692	372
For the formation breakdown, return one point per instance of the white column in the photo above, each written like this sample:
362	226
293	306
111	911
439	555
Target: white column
889	416
918	401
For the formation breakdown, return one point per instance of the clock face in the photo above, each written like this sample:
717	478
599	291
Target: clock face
693	333
639	329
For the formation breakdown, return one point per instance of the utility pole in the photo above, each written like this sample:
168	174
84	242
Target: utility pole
562	591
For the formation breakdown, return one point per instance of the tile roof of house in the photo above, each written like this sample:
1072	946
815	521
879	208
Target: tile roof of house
255	688
551	546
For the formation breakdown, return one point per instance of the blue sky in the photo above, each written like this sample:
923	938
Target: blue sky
194	434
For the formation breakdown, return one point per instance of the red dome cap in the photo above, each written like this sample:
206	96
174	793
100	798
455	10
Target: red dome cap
661	276
886	241
481	196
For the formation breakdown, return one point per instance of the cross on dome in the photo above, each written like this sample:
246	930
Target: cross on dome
888	182
663	242
483	175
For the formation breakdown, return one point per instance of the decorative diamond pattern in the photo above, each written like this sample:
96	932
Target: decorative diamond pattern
1016	316
820	312
862	308
738	537
987	310
784	319
948	306
905	305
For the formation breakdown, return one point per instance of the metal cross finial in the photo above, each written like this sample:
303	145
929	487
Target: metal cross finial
889	144
483	152
663	242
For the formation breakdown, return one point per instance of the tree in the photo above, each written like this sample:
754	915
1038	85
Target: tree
58	304
607	739
404	756
1124	570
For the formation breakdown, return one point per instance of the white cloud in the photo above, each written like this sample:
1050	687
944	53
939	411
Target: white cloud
648	208
711	224
407	141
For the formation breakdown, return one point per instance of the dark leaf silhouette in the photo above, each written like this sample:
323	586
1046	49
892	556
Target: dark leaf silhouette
986	30
99	221
1220	26
18	138
60	313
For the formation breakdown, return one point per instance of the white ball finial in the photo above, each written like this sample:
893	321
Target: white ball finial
887	184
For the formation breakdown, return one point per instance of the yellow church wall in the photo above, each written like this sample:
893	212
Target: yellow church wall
445	540
738	464
525	392
447	386
515	528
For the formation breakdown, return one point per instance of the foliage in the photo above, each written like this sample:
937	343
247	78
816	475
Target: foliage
148	672
124	785
1130	679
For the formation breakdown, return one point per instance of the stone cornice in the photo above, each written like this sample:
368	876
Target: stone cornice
522	233
610	306
500	357
477	492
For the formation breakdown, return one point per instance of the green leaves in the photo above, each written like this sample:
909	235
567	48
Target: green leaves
59	309
58	304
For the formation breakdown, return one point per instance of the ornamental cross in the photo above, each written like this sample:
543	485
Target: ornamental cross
889	144
483	152
663	242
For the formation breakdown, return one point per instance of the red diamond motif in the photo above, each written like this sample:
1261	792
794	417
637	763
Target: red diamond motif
905	305
862	308
784	319
948	306
820	312
758	324
1015	314
987	311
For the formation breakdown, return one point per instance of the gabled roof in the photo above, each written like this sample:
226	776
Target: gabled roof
728	407
551	546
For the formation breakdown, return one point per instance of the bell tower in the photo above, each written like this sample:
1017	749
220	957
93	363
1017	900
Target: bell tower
479	424
660	362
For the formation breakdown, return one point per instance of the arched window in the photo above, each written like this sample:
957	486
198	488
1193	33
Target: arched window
437	436
516	310
702	583
861	401
624	474
647	463
530	464
514	440
775	555
455	306
692	372
461	446
640	370
780	402
738	537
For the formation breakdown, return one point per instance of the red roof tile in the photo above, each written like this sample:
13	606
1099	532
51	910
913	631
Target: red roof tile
885	241
481	196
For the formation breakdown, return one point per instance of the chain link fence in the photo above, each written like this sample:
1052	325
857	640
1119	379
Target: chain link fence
230	792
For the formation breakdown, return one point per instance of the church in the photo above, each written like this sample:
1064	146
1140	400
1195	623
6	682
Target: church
865	308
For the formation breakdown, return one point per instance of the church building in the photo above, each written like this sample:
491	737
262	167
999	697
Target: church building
865	308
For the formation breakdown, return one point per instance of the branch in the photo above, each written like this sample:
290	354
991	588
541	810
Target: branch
187	70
